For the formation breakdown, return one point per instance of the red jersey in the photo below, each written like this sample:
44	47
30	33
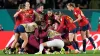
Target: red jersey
83	21
66	21
28	16
18	20
46	18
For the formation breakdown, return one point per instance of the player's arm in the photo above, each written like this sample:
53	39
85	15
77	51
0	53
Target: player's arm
17	13
79	13
79	18
36	32
37	14
55	26
61	24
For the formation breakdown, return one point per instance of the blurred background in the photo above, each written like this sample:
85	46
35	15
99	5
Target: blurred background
54	4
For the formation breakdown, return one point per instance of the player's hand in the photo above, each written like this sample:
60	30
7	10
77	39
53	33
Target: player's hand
74	21
71	21
21	10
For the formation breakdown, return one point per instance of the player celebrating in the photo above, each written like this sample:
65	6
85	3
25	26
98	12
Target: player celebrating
39	11
25	16
28	13
54	37
68	23
49	15
18	16
83	23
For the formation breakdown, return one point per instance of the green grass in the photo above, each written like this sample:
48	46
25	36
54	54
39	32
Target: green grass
89	53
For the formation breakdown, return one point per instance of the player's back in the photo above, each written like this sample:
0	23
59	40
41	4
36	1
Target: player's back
68	21
18	20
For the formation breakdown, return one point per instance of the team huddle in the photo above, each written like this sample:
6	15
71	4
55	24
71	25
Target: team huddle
37	32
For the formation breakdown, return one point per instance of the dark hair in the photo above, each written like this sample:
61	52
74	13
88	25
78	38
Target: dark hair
71	4
49	9
39	5
58	13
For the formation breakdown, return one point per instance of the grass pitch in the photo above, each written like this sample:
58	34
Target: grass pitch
89	53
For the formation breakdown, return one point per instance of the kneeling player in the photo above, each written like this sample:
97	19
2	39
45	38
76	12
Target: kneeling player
55	41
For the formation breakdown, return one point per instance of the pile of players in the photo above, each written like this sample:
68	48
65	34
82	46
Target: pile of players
37	32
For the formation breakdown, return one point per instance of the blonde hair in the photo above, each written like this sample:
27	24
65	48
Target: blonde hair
71	4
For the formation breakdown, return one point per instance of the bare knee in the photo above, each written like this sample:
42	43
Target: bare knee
44	44
83	34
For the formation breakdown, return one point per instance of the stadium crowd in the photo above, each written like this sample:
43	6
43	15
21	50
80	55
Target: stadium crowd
54	4
37	32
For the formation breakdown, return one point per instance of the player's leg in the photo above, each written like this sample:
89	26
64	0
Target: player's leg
88	35
68	50
15	40
71	37
83	34
84	40
14	43
57	43
6	49
66	41
54	43
8	46
91	40
60	45
25	38
41	47
75	40
17	47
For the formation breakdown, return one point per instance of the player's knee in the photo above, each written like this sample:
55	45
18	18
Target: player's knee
70	40
88	35
44	44
16	40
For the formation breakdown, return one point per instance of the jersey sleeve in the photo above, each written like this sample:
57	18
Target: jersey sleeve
77	11
61	24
